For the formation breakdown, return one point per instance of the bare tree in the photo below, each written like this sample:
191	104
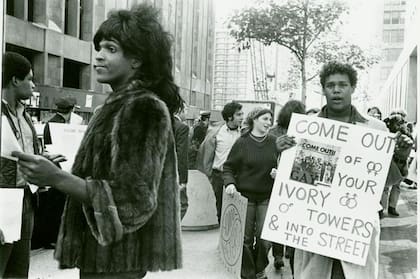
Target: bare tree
295	24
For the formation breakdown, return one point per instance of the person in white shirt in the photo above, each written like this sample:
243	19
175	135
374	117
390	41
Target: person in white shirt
216	146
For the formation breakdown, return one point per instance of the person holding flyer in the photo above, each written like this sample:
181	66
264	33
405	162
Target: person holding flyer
122	218
247	171
338	82
17	86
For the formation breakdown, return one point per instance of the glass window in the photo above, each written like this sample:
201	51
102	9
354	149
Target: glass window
386	36
387	17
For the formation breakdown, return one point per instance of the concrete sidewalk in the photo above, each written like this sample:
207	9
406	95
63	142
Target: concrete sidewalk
398	251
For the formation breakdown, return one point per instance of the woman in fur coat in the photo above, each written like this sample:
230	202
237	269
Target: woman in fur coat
122	215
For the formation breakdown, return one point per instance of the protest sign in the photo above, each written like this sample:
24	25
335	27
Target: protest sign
327	190
232	227
8	163
66	139
9	142
11	206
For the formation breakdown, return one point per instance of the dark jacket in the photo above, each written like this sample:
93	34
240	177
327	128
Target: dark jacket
132	219
200	132
181	131
206	152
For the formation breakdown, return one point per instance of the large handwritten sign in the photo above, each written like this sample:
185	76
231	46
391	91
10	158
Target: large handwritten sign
66	139
232	228
328	187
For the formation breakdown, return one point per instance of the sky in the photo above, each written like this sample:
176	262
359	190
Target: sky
361	27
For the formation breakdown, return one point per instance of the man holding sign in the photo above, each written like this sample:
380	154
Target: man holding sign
329	185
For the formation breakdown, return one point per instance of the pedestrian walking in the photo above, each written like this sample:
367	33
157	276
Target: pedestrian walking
215	148
121	218
338	83
283	120
395	123
247	170
181	131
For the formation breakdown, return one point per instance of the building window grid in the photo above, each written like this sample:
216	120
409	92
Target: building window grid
394	17
393	3
393	36
391	54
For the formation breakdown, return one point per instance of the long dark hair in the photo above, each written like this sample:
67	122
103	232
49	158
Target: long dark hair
283	118
141	36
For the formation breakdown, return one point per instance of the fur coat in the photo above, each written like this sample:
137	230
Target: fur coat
132	220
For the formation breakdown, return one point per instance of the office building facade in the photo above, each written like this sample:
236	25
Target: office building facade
56	36
400	88
393	34
232	74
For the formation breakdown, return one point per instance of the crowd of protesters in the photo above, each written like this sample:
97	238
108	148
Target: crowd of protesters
121	206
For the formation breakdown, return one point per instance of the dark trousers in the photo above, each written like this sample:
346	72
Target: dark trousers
216	181
290	253
184	201
278	250
14	257
255	249
47	218
337	270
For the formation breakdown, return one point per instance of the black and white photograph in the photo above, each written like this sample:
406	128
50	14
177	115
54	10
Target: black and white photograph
315	163
125	122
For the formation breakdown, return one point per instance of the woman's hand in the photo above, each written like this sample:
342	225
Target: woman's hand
285	142
273	173
231	189
37	169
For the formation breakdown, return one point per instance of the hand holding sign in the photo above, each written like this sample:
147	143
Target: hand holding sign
284	142
324	196
273	173
231	189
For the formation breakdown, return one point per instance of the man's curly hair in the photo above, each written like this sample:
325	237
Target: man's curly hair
335	67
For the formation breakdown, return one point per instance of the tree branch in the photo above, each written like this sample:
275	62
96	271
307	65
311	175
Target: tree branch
312	77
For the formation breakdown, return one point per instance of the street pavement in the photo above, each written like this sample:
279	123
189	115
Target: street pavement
398	251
